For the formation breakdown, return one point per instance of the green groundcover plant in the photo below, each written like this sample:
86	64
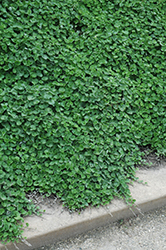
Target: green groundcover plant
82	88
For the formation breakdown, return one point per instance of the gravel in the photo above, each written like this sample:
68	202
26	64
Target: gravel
146	232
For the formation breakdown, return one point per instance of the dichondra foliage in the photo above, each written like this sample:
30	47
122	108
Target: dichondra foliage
82	87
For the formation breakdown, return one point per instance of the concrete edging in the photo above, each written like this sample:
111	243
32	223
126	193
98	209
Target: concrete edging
58	224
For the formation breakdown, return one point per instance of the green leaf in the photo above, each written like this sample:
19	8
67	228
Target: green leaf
2	211
82	93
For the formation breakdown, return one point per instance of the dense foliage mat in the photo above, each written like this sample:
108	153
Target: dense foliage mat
83	86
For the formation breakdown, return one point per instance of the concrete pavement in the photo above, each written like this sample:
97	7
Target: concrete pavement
58	224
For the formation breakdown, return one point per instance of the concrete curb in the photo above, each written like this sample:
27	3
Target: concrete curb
58	224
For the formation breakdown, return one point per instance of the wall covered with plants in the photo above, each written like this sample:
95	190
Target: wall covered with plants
82	88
